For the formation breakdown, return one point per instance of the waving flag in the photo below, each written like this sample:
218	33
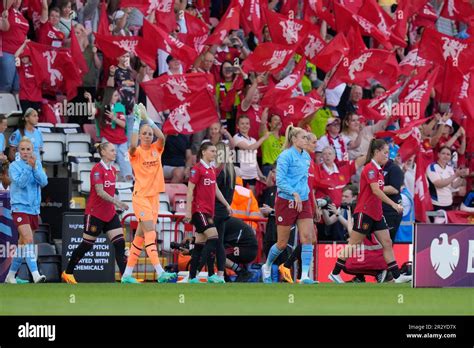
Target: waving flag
332	53
197	34
169	91
378	108
251	16
284	88
268	57
103	28
55	70
230	21
148	6
194	114
413	61
293	110
458	10
286	30
116	46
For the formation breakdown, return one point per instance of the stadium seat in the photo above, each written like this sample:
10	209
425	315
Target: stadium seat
74	158
124	190
83	175
177	193
50	266
68	128
46	249
165	202
53	147
10	107
78	142
91	130
41	237
45	127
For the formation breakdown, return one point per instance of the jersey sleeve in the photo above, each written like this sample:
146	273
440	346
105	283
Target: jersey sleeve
432	174
159	145
97	178
194	176
371	175
40	140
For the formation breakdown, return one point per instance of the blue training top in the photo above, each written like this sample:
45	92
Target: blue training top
292	174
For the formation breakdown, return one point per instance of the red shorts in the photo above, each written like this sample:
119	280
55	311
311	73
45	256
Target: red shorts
25	219
286	213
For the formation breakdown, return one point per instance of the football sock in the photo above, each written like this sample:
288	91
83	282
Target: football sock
135	251
291	260
236	268
119	246
306	256
195	258
78	254
152	252
16	261
393	267
209	255
340	264
273	254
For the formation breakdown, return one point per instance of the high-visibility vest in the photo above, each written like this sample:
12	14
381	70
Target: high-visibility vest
245	205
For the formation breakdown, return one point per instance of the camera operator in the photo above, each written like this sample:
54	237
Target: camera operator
335	218
240	245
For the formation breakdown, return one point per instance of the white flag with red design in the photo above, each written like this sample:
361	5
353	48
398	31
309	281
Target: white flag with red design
194	114
284	89
169	91
269	57
230	21
286	30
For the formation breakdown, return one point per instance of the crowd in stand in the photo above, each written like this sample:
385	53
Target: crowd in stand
250	117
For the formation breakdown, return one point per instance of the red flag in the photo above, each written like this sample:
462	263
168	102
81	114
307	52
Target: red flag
460	217
195	114
230	21
375	64
289	5
413	61
268	57
427	17
410	7
103	28
158	38
416	95
422	197
352	5
458	10
251	16
331	54
382	20
293	110
377	108
204	9
197	33
116	46
355	41
167	92
148	6
78	55
286	30
464	98
448	84
345	19
54	69
284	88
438	47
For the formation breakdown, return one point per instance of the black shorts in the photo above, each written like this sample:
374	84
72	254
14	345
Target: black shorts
366	225
202	222
94	226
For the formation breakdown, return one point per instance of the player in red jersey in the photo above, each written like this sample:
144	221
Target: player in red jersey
100	215
368	216
202	193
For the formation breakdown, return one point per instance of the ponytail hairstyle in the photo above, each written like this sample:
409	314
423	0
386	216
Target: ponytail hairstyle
100	147
22	121
290	133
203	148
375	144
224	156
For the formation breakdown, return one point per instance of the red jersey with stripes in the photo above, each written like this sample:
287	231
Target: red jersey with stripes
96	206
204	195
367	202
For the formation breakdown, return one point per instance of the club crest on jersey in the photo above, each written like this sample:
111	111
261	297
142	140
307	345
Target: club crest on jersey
193	172
155	154
371	174
19	219
93	229
365	226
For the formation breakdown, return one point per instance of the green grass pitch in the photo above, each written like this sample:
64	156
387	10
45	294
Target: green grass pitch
232	299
